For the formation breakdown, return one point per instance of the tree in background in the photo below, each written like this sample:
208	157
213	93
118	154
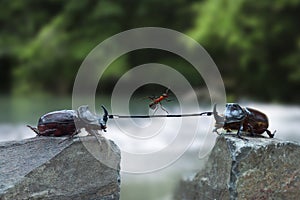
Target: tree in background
255	44
50	39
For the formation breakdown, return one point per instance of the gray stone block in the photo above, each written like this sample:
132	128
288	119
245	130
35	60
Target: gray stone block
261	168
43	168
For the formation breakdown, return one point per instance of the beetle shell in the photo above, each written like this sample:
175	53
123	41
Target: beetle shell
70	122
242	119
57	123
258	120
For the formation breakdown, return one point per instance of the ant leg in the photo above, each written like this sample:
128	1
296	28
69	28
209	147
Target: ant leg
156	108
151	97
168	100
163	108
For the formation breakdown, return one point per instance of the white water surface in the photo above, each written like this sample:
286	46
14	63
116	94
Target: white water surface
152	136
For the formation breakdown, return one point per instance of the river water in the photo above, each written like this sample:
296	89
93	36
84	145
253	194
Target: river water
156	178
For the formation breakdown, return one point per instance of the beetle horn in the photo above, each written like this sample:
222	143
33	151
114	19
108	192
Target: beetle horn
105	115
104	119
217	117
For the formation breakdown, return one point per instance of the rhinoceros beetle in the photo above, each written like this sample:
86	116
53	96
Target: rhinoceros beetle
70	122
241	119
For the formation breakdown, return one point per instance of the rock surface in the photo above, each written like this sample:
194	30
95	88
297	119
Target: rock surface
261	168
43	168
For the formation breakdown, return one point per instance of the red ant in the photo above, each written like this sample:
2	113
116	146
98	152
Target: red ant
157	101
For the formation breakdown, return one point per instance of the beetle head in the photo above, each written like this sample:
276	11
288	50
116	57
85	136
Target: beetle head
86	115
234	113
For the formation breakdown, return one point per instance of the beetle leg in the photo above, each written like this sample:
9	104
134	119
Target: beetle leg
271	135
70	136
216	131
34	129
94	133
77	131
48	132
218	126
251	130
229	130
239	132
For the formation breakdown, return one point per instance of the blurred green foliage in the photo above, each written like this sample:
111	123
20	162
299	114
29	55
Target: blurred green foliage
255	44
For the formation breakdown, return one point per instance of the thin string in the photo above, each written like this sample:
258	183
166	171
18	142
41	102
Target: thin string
159	116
